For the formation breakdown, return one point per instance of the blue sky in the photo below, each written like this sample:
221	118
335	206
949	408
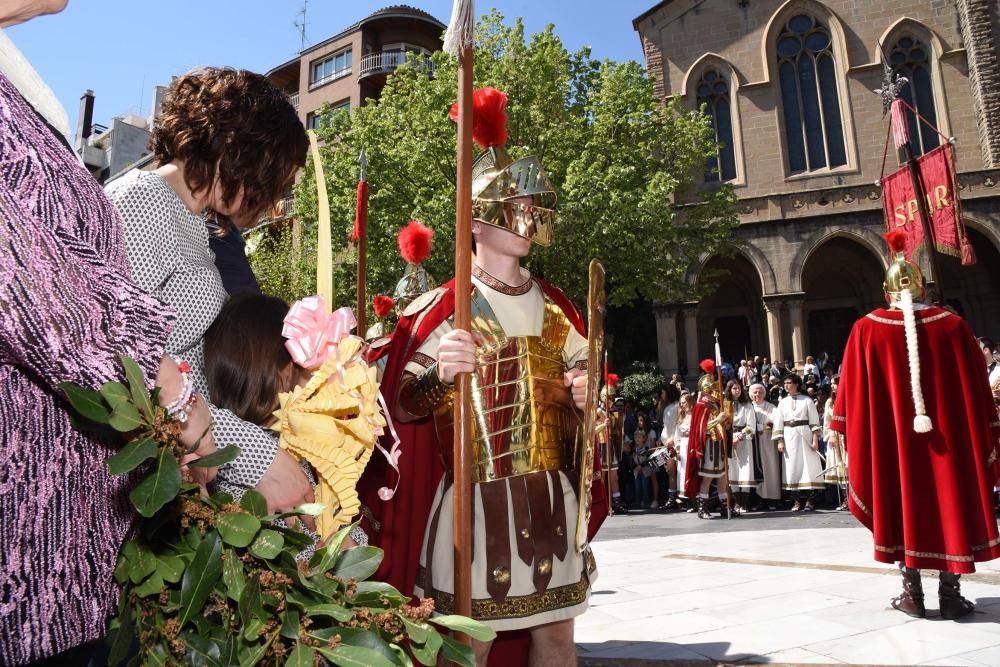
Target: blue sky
120	49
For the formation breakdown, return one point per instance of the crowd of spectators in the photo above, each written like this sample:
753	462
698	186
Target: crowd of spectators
651	467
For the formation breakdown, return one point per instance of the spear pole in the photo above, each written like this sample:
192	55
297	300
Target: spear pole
361	228
459	41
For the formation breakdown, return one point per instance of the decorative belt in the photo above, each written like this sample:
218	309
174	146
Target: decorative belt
798	422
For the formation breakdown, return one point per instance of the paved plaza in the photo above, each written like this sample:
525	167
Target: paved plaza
774	588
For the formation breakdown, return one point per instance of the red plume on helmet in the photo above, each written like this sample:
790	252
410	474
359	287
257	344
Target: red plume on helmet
707	366
896	240
382	305
415	242
489	117
612	379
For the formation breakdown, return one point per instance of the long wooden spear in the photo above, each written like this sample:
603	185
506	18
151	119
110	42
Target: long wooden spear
459	42
360	235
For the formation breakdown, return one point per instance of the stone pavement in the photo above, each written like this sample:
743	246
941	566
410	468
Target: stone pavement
766	589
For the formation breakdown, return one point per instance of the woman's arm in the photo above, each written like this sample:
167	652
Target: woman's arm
65	315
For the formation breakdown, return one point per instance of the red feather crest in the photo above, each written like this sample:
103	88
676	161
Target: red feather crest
382	305
707	366
415	242
612	379
489	117
896	240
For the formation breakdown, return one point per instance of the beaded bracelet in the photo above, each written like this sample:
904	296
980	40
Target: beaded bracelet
181	407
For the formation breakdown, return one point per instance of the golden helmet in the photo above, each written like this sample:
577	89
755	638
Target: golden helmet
514	195
707	385
902	274
520	186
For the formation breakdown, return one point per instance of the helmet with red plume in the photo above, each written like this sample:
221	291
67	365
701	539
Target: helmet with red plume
414	246
514	195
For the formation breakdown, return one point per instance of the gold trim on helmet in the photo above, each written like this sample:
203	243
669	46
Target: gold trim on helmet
707	385
519	186
415	281
903	275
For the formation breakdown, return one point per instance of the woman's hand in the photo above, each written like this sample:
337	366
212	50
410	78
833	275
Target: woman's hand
286	487
781	446
815	444
198	425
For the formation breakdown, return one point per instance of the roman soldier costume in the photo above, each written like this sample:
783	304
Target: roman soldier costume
922	435
706	440
526	569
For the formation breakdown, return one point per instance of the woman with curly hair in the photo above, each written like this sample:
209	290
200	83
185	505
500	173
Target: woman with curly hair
227	144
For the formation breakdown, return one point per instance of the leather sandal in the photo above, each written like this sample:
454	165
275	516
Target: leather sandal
953	605
911	600
796	507
703	512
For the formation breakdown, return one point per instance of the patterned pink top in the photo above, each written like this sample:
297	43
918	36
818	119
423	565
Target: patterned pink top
68	306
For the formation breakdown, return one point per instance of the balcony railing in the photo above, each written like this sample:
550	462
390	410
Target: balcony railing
384	62
294	99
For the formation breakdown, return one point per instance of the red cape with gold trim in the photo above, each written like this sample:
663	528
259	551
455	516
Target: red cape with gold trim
404	518
926	497
696	446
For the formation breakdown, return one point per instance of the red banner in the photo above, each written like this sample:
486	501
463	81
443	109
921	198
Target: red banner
936	172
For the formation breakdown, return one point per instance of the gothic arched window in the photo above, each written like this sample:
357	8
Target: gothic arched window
912	59
810	100
713	96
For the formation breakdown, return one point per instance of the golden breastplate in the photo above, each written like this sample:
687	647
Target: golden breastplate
524	418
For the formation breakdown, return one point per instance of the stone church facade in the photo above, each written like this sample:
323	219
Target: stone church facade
789	86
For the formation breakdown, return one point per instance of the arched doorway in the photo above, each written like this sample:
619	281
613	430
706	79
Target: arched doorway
974	291
842	280
734	308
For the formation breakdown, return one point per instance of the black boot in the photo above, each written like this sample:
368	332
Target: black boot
953	605
911	600
725	511
703	512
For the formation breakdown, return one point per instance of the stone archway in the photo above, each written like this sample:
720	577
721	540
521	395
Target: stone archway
734	308
974	291
841	281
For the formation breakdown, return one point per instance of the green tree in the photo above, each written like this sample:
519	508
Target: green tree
626	167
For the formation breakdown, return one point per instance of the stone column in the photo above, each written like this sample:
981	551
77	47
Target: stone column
666	338
796	316
690	313
773	307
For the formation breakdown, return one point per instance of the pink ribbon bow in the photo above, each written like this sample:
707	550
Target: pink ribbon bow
313	333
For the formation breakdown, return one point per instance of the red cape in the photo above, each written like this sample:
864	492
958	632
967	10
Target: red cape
696	447
926	497
403	519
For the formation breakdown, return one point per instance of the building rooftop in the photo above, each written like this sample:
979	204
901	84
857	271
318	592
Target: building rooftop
392	11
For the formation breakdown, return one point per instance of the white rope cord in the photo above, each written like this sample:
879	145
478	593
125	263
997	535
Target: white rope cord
921	422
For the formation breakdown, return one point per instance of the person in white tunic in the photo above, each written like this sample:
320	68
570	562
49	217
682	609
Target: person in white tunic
742	476
769	488
836	450
680	446
670	396
796	430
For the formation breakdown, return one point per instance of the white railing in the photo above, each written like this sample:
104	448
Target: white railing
294	99
383	62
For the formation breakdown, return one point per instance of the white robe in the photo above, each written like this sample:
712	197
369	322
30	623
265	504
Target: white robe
681	446
741	472
836	451
803	467
769	487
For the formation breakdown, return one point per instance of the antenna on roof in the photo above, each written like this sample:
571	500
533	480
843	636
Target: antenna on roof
300	24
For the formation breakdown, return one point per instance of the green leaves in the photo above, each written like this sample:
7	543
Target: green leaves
356	656
131	455
232	575
302	656
125	418
216	459
474	629
268	544
137	385
457	652
359	562
89	404
254	502
200	576
160	487
238	528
